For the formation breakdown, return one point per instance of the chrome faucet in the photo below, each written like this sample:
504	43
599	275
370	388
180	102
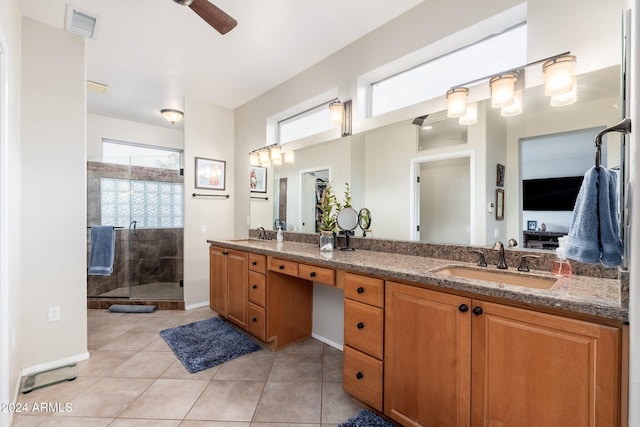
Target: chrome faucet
262	233
502	263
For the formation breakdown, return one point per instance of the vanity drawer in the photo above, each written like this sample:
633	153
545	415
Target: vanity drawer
258	263
364	289
363	377
363	327
283	266
317	274
256	323
257	288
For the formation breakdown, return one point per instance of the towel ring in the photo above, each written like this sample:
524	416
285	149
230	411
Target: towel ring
623	127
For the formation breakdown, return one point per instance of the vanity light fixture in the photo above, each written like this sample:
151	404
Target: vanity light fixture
457	101
503	89
471	116
558	74
265	157
254	159
172	116
516	106
275	153
340	114
335	112
566	98
289	157
270	155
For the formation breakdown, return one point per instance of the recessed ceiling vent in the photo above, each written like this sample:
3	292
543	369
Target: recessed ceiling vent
81	23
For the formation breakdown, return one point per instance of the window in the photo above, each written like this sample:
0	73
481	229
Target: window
123	153
310	122
432	79
151	204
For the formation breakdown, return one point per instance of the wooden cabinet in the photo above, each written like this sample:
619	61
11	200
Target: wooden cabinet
453	361
257	296
228	284
363	338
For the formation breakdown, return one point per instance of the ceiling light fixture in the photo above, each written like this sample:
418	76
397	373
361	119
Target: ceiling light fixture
172	116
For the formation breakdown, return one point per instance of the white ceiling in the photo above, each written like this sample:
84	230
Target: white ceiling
153	53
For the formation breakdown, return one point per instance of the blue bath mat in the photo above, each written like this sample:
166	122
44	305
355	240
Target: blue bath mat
366	418
205	344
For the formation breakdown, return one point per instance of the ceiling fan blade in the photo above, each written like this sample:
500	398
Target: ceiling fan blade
214	16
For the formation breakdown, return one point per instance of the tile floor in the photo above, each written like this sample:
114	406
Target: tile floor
134	379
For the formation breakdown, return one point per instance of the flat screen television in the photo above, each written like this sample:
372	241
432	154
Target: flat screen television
550	194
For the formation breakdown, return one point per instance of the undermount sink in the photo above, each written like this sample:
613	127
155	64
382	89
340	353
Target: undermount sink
503	277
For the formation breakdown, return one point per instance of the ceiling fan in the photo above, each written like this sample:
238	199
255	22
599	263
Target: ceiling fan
213	15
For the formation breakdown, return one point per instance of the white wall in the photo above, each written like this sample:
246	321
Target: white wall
208	133
10	274
53	203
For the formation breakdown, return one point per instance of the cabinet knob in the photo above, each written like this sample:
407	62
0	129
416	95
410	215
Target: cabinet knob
477	311
312	274
359	375
463	308
255	319
360	290
281	267
254	263
360	325
255	286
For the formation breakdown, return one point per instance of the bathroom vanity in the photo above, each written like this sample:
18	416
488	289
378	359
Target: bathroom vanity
428	348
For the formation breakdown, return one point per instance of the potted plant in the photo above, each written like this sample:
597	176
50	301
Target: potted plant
327	224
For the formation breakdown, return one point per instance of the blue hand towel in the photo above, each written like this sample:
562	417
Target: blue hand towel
593	232
102	250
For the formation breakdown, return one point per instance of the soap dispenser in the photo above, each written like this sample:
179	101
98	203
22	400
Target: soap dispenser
561	267
279	236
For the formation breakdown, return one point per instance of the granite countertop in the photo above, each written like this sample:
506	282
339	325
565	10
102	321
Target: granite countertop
586	295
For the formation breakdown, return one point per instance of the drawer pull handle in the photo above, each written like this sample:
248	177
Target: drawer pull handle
281	267
255	286
360	290
360	325
312	274
477	311
463	308
254	263
225	253
359	375
255	319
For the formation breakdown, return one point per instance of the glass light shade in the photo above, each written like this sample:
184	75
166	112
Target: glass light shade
457	102
335	112
172	116
289	157
515	108
558	75
254	159
276	153
277	162
566	98
264	156
502	89
471	116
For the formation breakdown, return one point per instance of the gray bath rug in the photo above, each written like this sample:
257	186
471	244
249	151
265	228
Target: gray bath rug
207	343
131	308
366	418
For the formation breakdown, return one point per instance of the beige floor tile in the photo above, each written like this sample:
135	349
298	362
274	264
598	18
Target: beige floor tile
308	346
166	399
108	397
52	421
227	401
251	367
192	423
286	402
297	367
103	362
283	425
332	368
179	372
146	364
58	393
131	341
159	344
132	422
337	405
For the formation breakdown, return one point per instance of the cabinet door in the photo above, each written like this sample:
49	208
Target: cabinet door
535	369
238	278
218	280
427	357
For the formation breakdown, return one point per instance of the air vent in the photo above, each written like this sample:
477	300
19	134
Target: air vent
81	23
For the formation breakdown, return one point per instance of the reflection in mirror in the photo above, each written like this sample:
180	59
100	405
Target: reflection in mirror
364	221
382	166
347	222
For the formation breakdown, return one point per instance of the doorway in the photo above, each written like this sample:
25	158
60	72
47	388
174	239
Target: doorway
312	185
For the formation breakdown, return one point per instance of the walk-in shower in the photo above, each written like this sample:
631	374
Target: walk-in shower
143	199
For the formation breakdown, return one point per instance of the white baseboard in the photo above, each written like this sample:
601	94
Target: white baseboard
328	341
197	305
55	364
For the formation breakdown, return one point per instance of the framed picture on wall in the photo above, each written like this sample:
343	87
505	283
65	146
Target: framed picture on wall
258	179
499	204
532	225
210	174
500	175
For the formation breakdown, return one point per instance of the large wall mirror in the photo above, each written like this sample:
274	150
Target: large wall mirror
437	181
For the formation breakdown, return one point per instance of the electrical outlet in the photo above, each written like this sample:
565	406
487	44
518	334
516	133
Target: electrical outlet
54	314
496	232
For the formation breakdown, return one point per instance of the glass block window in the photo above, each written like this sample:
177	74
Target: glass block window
151	204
